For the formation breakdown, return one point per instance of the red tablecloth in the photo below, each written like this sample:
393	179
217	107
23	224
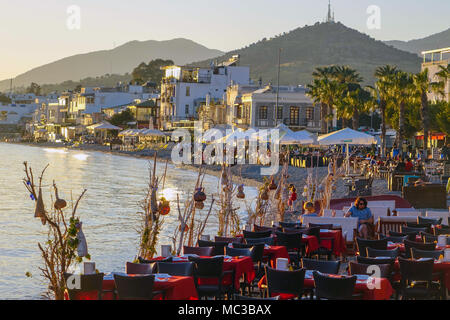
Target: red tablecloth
339	242
275	252
175	288
384	292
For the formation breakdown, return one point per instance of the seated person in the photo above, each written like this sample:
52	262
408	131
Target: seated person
365	218
408	165
310	210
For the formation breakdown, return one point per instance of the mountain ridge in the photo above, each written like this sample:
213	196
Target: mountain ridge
431	42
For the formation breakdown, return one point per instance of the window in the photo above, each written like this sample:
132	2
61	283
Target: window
188	91
310	113
280	113
263	113
186	109
294	116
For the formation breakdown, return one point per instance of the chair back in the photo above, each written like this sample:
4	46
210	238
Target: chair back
321	225
218	247
234	252
361	268
414	270
138	268
362	244
418	245
375	261
153	262
290	282
268	241
428	237
435	254
374	253
228	239
88	283
334	288
207	267
242	245
289	240
432	221
256	235
257	253
257	228
324	266
134	288
291	225
410	236
182	269
200	251
417	231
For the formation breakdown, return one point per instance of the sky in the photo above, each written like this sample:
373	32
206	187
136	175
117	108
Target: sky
34	33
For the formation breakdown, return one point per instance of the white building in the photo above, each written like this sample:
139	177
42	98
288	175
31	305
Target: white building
183	87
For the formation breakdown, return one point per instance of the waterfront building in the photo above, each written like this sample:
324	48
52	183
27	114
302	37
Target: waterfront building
184	89
433	60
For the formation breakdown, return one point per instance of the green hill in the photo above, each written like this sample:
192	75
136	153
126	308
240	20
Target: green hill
318	45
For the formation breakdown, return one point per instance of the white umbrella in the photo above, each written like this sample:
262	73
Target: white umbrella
348	137
300	137
152	133
103	126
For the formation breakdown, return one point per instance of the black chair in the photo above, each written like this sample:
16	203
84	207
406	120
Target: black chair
329	267
375	261
211	268
333	288
428	237
442	230
417	279
361	268
240	297
418	245
257	228
397	239
373	253
321	225
87	283
200	251
234	252
363	244
135	288
228	239
291	225
243	245
153	262
429	221
293	243
411	235
182	269
256	235
417	231
269	241
139	268
285	282
322	250
418	254
218	247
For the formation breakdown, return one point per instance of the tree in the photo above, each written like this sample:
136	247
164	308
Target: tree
34	88
4	99
401	91
381	92
150	72
123	118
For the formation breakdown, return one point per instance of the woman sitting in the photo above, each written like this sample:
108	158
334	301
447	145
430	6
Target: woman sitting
310	210
365	218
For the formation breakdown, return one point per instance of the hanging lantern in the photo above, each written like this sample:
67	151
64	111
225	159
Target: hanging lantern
164	207
82	248
265	195
153	202
272	185
186	228
199	195
59	203
39	211
240	194
199	204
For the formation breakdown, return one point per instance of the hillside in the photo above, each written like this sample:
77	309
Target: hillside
435	41
120	60
318	45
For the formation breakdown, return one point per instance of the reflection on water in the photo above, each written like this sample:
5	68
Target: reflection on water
115	185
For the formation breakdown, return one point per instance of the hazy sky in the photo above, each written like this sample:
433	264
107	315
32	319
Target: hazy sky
34	32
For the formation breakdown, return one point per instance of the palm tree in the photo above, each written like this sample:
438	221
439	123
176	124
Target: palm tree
381	92
444	74
401	92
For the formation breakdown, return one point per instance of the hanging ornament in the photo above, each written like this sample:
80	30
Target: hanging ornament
164	207
39	211
272	185
82	248
200	195
199	204
265	194
59	203
240	194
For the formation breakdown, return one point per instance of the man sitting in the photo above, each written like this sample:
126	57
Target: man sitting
365	218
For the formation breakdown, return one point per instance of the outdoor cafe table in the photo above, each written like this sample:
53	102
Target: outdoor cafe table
383	292
175	288
312	243
275	252
242	267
